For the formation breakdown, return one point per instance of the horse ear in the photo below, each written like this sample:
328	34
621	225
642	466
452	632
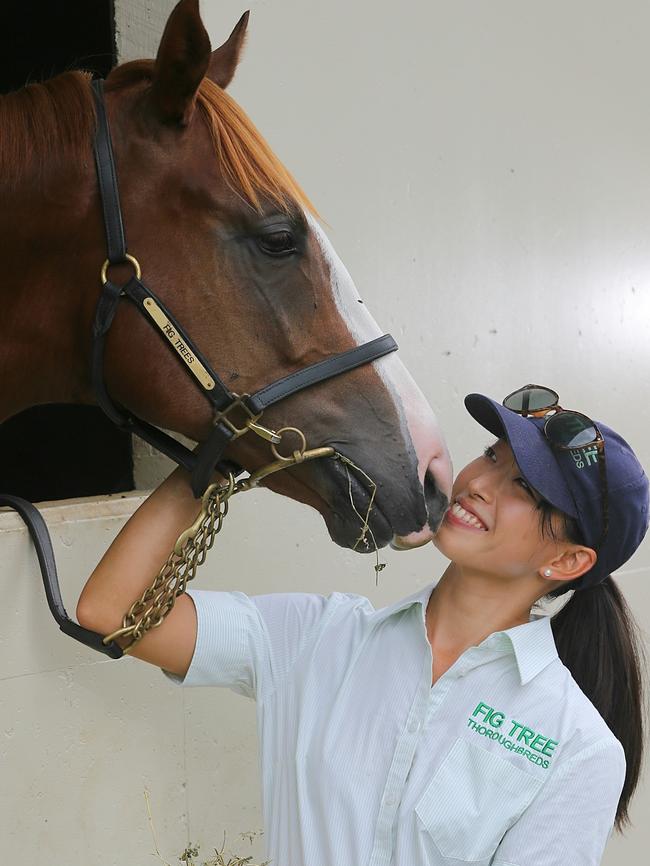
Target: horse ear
182	61
225	59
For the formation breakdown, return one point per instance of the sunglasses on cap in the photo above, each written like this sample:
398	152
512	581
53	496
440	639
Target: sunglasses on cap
565	429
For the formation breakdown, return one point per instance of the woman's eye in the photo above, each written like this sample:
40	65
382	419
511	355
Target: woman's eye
490	453
277	243
526	486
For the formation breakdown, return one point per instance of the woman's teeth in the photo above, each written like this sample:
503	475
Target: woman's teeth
459	512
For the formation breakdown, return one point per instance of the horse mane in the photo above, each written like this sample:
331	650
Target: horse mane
44	126
52	123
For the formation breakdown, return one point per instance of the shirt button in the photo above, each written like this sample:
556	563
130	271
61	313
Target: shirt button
413	727
390	800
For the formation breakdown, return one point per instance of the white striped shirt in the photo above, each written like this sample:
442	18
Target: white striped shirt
502	761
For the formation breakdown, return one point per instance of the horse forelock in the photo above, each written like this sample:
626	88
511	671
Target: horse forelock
44	126
248	164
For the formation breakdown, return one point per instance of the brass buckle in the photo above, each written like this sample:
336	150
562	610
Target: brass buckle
249	424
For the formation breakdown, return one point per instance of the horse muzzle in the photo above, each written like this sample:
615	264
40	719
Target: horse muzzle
398	511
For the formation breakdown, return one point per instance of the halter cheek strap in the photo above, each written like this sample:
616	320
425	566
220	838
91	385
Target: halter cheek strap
107	177
202	462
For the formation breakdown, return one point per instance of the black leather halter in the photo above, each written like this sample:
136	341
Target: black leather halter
202	462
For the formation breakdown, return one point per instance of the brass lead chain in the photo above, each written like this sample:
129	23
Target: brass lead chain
188	554
191	547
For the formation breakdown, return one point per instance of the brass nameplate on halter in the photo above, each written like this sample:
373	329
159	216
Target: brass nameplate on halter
193	364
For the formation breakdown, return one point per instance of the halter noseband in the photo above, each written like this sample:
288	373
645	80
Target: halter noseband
202	462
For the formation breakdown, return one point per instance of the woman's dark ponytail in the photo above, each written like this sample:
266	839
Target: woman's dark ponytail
599	641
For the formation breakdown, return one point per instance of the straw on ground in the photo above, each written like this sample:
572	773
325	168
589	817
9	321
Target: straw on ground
192	851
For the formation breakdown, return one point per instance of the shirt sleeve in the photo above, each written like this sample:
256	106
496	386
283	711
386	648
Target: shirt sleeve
572	817
251	643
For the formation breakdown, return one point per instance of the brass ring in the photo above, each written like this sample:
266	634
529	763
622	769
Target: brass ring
132	259
301	451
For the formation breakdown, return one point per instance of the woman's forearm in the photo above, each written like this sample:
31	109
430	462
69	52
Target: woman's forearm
137	554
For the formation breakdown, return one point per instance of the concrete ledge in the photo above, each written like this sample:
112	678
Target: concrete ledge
78	510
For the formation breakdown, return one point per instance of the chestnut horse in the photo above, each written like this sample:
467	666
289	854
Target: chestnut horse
231	244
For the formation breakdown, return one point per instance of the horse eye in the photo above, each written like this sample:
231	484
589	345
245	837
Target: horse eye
278	243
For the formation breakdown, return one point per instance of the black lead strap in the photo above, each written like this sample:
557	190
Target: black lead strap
41	538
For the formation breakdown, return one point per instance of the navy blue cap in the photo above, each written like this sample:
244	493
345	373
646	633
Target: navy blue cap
570	481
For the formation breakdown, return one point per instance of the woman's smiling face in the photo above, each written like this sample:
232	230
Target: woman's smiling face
493	525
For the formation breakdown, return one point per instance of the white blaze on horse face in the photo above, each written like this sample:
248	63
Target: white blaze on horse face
418	423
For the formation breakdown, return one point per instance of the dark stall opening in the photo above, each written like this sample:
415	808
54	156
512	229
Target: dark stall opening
59	451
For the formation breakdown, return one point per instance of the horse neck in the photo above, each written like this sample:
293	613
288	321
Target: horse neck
45	265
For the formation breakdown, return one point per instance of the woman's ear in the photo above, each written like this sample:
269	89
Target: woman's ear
573	562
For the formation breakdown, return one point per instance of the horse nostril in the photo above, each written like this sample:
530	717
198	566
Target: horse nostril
436	501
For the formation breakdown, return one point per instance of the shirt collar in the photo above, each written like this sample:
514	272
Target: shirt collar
532	643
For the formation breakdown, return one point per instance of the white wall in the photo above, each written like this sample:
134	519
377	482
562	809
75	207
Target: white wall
483	170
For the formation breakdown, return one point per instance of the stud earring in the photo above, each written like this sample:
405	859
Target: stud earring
547	572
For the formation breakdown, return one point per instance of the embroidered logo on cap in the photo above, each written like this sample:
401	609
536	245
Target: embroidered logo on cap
585	457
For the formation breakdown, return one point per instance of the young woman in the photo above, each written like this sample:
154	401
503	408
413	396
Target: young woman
455	726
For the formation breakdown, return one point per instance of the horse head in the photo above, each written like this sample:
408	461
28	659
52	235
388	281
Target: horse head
231	244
